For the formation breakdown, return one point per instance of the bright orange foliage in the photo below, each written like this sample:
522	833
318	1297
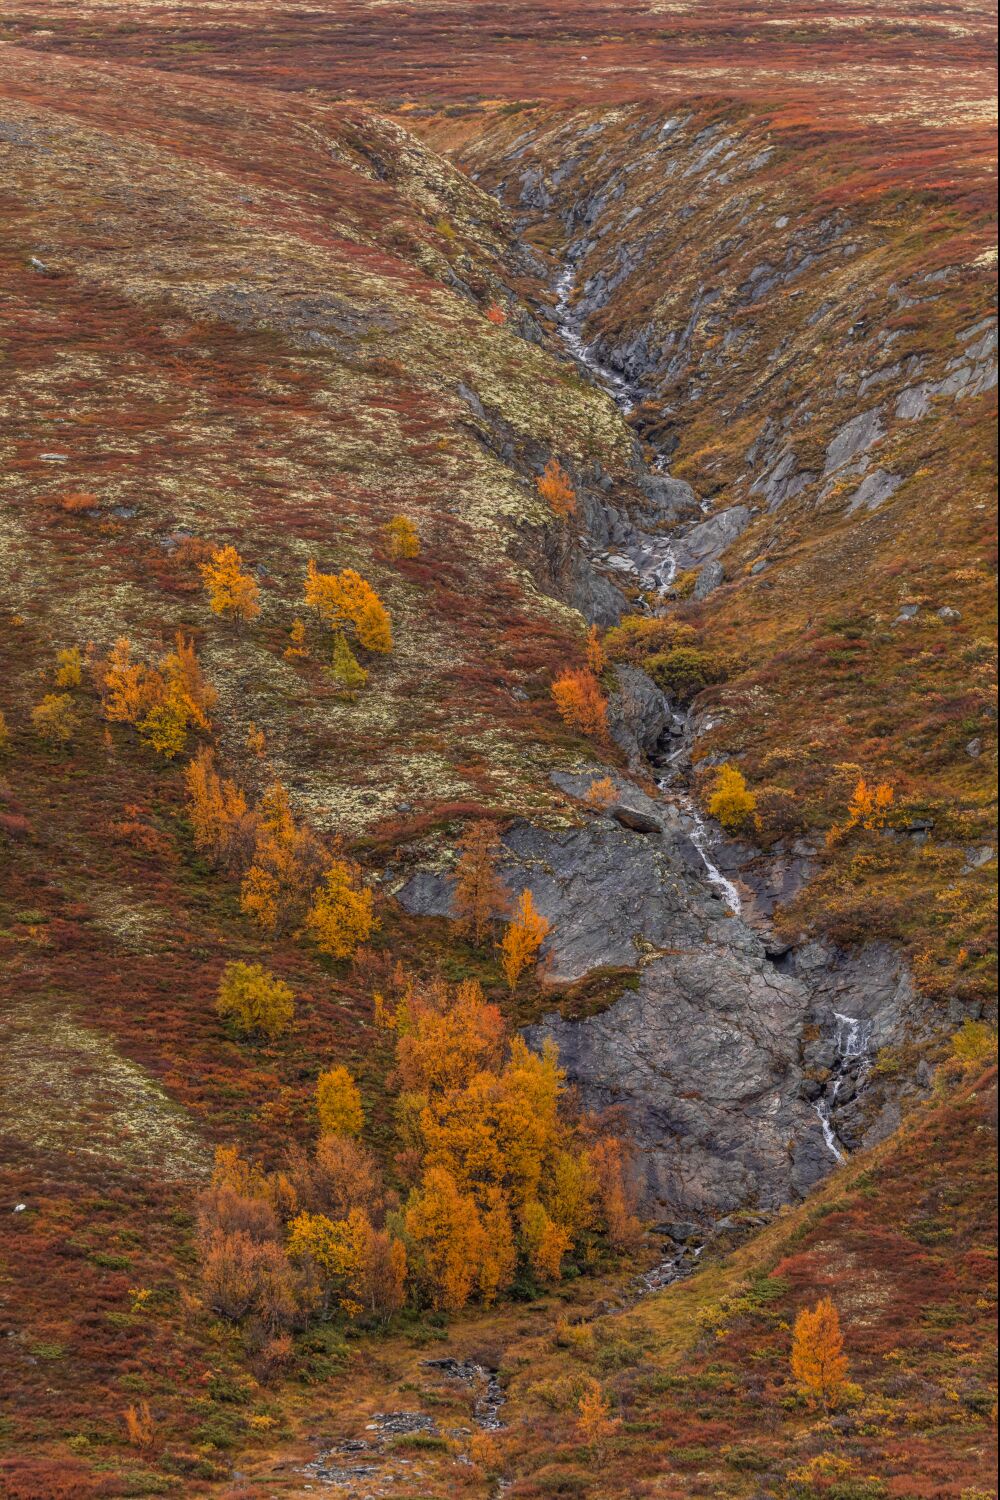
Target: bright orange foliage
818	1360
522	939
869	807
346	598
297	639
164	701
732	802
447	1232
596	656
556	487
125	688
445	1039
286	865
601	793
231	591
496	315
595	1424
221	821
577	695
545	1240
616	1191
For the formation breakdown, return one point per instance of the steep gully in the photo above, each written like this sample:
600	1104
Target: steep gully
656	568
737	1061
705	911
724	1051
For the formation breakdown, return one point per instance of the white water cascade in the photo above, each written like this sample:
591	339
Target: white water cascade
853	1038
701	838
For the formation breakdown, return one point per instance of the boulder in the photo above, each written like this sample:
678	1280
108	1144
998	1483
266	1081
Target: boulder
709	579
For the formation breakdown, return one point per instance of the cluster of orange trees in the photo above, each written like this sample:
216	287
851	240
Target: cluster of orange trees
290	880
494	1180
162	700
345	602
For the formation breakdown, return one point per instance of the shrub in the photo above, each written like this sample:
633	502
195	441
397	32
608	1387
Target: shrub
637	637
55	719
683	671
594	1423
817	1359
231	591
975	1044
338	1103
346	670
522	939
224	829
255	1001
581	704
596	656
479	896
402	537
162	702
345	598
69	668
731	802
556	488
341	916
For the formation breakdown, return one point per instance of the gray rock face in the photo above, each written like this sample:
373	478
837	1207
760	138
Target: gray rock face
854	437
709	579
670	499
875	488
631	807
718	1056
704	1056
709	539
638	713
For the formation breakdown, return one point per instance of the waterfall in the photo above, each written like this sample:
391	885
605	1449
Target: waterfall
853	1039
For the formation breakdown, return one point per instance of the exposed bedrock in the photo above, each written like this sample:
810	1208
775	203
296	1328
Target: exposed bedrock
719	1054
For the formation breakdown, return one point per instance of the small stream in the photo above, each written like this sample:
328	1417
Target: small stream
570	331
655	559
853	1040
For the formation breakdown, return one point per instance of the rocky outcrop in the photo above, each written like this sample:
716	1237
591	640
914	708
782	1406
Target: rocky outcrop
719	1055
638	713
710	538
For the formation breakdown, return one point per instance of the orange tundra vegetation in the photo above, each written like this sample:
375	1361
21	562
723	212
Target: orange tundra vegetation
501	1180
577	695
556	488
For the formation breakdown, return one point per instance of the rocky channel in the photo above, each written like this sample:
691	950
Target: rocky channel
723	1047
